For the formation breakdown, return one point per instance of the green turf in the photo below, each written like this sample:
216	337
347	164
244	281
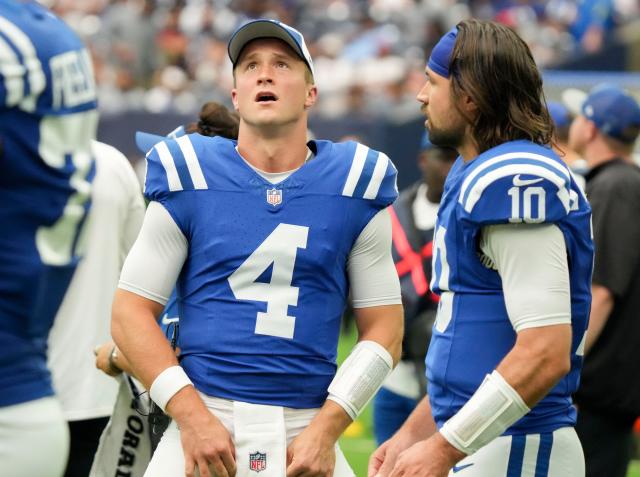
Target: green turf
359	443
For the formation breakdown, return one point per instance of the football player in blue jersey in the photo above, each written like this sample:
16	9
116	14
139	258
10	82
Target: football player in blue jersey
48	119
267	236
512	263
413	218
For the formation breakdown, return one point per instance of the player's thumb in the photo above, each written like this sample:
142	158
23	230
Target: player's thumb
375	462
289	456
387	465
293	469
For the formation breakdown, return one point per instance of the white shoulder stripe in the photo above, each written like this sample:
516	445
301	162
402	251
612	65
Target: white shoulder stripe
513	169
505	157
192	162
37	80
169	166
12	71
356	169
377	177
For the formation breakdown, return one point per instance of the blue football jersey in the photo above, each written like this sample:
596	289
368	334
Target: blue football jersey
265	282
48	118
517	182
169	319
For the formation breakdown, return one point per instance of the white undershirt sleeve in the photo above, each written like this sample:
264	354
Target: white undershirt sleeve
532	262
372	273
156	258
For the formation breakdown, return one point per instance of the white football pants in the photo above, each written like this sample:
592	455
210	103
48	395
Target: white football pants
34	439
259	432
557	454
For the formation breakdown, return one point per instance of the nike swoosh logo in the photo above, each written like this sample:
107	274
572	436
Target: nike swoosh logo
167	321
525	182
458	468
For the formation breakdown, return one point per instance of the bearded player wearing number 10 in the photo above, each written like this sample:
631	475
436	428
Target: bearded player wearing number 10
266	238
512	263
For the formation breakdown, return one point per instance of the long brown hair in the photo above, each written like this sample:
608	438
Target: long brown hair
494	66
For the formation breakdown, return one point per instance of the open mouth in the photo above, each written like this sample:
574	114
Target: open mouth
266	96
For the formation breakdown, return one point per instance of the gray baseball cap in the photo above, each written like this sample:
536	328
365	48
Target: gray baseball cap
266	28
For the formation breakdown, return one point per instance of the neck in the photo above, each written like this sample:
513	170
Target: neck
277	149
468	149
598	152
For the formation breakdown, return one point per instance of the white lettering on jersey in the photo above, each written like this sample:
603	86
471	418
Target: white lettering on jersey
66	137
16	72
440	273
526	214
280	249
72	79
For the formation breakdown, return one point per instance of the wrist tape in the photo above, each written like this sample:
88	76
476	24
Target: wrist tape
492	409
360	376
167	384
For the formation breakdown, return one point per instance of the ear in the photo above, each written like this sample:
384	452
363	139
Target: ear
234	99
590	130
312	96
468	106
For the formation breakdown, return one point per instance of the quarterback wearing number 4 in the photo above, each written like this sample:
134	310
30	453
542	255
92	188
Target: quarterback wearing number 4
512	263
266	238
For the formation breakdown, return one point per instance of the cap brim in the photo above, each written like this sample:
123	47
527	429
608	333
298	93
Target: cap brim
261	29
573	99
146	141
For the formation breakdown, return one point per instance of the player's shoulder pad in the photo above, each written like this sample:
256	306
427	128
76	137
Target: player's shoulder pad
518	182
367	173
173	165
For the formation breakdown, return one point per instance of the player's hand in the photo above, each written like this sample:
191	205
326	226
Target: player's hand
103	361
433	457
311	455
207	446
384	458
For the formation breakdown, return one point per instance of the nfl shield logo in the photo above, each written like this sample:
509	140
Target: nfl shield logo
257	461
274	197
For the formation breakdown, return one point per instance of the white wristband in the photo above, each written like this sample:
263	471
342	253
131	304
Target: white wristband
360	377
492	409
167	384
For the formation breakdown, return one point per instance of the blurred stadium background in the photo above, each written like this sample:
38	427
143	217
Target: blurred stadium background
157	61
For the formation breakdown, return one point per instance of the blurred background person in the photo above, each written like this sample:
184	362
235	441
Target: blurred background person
604	133
48	119
562	118
86	395
413	218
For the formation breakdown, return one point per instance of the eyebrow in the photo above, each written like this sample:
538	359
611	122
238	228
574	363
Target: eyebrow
279	56
428	75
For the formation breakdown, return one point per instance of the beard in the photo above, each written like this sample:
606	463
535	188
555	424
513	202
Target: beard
452	137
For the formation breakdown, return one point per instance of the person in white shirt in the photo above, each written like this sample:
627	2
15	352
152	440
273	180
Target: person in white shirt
87	396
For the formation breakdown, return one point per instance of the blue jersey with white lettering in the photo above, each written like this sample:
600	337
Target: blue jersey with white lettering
48	118
517	182
264	284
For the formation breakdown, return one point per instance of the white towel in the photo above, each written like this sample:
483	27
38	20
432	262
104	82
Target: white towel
260	440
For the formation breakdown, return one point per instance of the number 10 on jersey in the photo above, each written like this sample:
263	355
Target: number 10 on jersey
522	211
280	249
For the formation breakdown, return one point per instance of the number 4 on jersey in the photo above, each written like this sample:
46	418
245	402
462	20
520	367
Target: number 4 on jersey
280	249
